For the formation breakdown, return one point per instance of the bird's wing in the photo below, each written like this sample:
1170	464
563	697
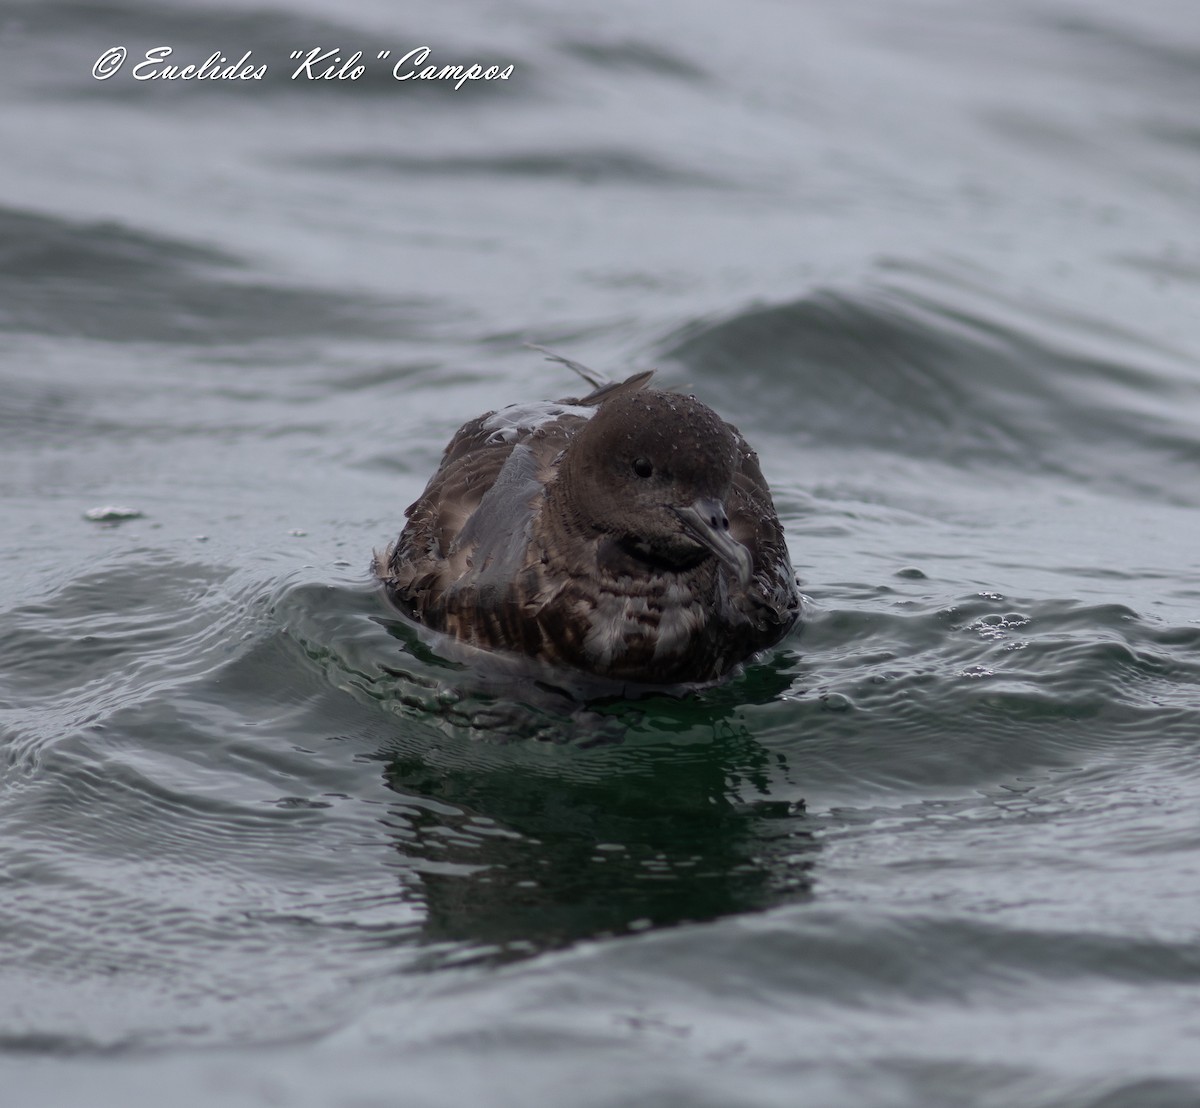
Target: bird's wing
471	525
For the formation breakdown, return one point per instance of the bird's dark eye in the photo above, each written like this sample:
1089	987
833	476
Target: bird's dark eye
642	467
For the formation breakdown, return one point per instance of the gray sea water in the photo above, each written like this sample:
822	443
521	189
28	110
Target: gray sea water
260	845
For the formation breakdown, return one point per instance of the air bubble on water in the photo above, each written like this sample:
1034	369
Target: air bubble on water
995	626
976	672
111	513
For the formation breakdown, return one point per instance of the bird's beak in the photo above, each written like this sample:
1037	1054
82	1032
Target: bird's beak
708	523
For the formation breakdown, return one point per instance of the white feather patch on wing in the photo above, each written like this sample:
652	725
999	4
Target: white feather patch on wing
511	423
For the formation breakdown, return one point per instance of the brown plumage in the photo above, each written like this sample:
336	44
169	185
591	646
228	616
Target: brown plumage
629	534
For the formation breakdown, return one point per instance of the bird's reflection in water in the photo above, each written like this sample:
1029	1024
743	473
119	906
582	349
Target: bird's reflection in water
519	848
